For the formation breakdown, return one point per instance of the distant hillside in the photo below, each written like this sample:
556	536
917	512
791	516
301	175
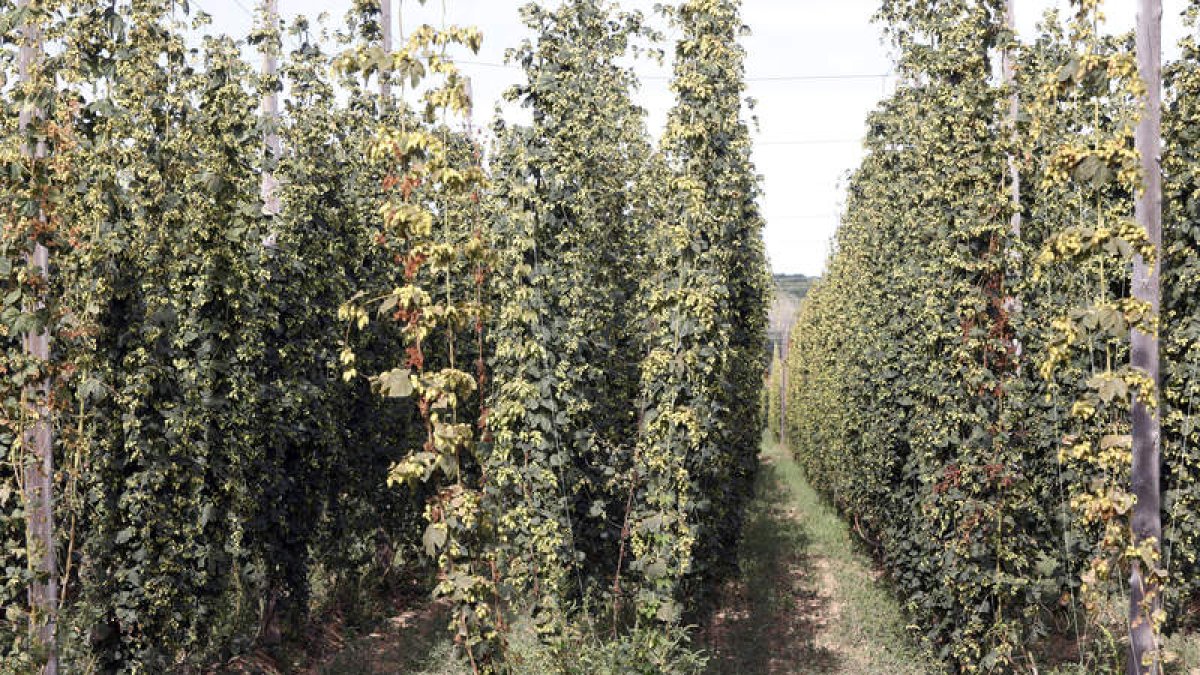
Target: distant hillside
794	284
790	289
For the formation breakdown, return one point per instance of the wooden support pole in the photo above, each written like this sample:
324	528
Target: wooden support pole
1145	597
270	112
385	19
38	435
782	364
1014	109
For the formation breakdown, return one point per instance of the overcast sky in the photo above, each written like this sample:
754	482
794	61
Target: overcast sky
816	67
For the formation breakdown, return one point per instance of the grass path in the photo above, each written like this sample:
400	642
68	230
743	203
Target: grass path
807	600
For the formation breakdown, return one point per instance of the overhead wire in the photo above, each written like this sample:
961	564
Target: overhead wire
806	77
814	77
244	8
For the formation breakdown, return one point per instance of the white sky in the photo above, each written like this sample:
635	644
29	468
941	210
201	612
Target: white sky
816	67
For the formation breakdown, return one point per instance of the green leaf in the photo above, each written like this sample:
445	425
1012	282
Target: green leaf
434	538
396	383
668	612
656	570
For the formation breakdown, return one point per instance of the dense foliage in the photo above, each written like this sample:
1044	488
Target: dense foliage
567	336
961	387
706	354
211	458
629	336
290	354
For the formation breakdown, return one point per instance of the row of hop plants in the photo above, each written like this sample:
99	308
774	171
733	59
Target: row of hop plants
618	438
960	382
290	351
211	463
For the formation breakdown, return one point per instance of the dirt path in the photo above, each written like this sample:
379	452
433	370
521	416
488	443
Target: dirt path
807	601
415	641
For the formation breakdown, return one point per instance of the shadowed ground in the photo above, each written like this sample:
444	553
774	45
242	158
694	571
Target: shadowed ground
806	601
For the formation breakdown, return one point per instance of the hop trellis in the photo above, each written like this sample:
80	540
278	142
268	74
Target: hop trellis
961	380
297	328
